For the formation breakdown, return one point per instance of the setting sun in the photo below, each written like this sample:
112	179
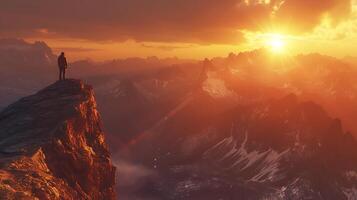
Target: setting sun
275	43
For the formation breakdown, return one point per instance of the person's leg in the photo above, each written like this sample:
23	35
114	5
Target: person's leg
60	73
64	74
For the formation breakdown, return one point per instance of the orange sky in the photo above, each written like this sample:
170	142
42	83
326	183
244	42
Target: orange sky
186	29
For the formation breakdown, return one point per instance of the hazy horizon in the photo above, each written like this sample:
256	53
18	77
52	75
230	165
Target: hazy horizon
71	58
188	30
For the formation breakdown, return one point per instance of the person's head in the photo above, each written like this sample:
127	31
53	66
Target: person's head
62	53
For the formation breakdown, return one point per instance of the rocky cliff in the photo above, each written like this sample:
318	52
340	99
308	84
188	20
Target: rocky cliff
52	146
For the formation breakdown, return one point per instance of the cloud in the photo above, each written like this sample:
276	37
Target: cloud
307	14
195	21
133	180
166	47
75	49
130	174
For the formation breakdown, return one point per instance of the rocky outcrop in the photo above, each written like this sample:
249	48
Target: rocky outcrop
52	146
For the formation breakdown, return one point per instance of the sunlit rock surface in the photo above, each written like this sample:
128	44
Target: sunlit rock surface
52	146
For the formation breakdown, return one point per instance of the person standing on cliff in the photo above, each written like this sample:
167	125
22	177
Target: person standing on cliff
62	65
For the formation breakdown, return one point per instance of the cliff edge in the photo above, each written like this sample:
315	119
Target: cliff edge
52	146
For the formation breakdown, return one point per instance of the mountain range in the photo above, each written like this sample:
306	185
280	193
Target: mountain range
246	126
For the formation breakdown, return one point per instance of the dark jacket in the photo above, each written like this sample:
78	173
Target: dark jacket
62	62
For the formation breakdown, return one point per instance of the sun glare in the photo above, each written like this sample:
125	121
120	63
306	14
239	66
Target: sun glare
275	43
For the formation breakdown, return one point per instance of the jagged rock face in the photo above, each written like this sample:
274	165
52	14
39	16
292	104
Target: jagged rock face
52	146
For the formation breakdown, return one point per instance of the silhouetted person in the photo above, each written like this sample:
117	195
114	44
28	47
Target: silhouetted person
62	65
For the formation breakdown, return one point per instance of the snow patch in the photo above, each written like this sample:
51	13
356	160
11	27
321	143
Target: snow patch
266	162
216	87
350	193
351	175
